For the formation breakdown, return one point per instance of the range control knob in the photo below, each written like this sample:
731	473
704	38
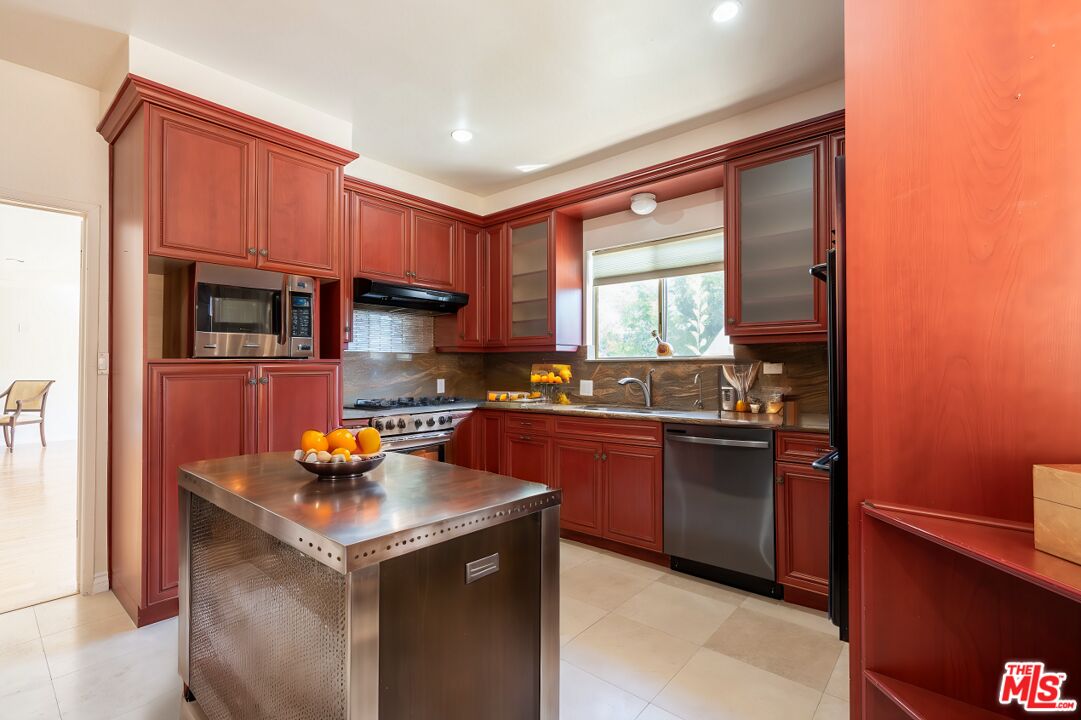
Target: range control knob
431	421
378	425
418	423
401	423
442	420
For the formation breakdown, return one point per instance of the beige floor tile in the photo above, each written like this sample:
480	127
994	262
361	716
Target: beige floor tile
838	685
716	687
655	713
781	647
831	708
705	588
808	618
117	686
101	640
677	612
583	696
166	707
37	703
75	610
628	654
572	554
17	627
575	616
605	583
652	569
23	667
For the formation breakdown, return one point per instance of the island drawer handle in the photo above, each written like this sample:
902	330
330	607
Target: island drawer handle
480	568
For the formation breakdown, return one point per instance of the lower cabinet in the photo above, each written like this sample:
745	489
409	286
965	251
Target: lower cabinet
802	510
527	457
200	411
633	490
576	466
461	449
488	441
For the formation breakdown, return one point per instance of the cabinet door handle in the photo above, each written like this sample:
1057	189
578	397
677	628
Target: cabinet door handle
730	320
264	380
596	456
780	479
604	456
252	381
262	252
251	251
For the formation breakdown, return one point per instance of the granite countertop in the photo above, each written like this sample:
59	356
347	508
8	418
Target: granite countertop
807	422
405	503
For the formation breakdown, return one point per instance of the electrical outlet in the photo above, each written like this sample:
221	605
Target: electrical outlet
440	386
772	368
585	388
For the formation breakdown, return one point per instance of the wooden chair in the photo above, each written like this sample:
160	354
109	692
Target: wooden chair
24	396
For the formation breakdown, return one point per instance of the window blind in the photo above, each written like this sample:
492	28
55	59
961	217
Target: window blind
671	257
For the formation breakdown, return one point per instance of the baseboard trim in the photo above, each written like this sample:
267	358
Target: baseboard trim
101	582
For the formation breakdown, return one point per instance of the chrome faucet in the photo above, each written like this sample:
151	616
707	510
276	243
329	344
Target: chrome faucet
647	386
699	403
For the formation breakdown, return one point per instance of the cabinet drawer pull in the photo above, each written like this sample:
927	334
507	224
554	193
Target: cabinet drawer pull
481	568
524	437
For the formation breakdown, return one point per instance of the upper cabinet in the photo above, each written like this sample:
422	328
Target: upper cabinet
399	244
299	206
202	190
226	188
777	227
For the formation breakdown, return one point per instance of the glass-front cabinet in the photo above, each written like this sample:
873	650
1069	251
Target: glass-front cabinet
530	289
777	227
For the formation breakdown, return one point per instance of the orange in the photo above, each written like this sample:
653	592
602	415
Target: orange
313	440
369	441
342	438
340	451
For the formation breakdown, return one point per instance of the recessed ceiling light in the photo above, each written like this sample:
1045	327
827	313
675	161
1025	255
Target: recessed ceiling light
726	10
530	168
462	135
643	203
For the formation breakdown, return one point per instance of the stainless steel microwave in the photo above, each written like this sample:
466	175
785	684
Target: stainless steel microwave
242	313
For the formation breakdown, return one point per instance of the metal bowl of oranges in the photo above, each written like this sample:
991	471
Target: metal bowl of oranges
340	454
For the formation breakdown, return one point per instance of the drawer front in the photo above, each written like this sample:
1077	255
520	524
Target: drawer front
801	447
528	422
641	432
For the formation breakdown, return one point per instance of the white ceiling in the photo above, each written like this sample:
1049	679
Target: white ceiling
562	82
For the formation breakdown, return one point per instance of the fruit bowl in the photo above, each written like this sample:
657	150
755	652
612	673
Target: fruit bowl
343	470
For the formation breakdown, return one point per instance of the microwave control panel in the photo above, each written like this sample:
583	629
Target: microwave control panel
300	320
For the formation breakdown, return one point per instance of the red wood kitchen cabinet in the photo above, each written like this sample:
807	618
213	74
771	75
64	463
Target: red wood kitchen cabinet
801	500
299	211
433	251
201	190
494	319
527	456
488	436
196	412
465	330
462	448
295	398
379	236
633	493
576	468
777	226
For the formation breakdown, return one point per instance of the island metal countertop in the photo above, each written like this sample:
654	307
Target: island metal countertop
404	504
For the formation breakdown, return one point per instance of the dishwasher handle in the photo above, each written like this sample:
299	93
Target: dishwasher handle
719	441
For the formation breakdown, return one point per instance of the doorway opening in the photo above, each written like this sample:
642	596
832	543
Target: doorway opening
41	261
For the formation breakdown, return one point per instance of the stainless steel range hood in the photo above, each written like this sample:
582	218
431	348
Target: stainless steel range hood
406	297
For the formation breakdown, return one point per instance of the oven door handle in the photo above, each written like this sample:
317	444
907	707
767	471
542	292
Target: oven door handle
418	445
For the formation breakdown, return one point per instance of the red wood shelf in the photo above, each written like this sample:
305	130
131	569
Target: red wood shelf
920	704
1003	545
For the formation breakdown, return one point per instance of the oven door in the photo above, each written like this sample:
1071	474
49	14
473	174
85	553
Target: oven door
430	446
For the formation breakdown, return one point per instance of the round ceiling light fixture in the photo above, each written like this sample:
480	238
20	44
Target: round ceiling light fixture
726	10
462	135
643	203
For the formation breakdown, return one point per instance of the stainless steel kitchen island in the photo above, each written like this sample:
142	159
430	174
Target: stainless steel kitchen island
422	590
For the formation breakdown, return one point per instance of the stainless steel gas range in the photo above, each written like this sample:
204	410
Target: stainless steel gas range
418	426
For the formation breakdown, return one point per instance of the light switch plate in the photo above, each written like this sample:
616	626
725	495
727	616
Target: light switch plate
103	363
772	368
440	386
585	388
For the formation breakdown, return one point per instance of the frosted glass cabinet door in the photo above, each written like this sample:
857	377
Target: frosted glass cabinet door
777	231
529	280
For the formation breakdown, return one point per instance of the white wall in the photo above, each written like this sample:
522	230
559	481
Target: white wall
812	103
39	311
50	153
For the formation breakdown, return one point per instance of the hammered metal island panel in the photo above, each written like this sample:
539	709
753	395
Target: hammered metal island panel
268	625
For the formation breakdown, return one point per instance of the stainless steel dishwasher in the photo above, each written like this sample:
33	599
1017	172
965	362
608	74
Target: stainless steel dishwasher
718	504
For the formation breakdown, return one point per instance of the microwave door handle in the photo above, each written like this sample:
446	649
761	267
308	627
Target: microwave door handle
282	334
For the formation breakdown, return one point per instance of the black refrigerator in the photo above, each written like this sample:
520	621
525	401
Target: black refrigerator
832	272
